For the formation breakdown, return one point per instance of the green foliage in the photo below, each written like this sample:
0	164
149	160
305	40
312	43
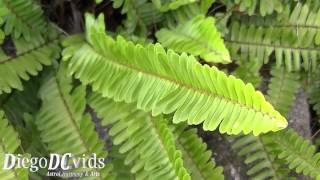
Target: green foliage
197	37
147	95
22	18
129	129
29	59
282	89
136	69
62	110
9	143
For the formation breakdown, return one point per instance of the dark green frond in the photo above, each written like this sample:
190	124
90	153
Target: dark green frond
22	18
62	110
9	144
197	158
147	141
29	59
283	87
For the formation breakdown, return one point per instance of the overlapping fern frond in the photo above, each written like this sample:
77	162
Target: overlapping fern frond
260	158
166	5
198	37
62	122
140	14
30	58
148	141
22	18
132	70
263	7
260	42
298	152
283	87
9	143
195	154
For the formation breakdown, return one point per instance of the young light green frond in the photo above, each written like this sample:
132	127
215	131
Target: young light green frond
9	143
260	158
154	157
22	18
197	158
62	122
298	152
260	42
29	59
283	87
166	5
198	37
165	82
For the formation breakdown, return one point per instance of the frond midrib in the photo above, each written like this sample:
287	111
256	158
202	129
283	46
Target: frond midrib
207	93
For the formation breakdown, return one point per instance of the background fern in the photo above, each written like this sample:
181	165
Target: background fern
145	83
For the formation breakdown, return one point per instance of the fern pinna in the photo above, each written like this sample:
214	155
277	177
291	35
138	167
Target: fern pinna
143	89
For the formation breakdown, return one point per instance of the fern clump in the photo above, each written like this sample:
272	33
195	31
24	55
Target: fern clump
159	89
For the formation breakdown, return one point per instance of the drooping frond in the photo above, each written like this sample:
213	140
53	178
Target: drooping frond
9	143
148	142
298	152
198	37
263	7
283	87
259	157
165	82
22	18
63	124
196	157
261	42
140	14
29	60
166	5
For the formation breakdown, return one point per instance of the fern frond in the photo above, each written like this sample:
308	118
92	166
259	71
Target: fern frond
249	72
258	155
313	90
165	82
166	5
298	152
140	14
260	43
198	37
264	7
22	18
197	158
154	157
9	143
62	122
283	87
29	60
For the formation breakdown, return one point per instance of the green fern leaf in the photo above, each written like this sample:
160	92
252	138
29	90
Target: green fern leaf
260	158
198	37
148	76
283	87
9	143
29	60
155	157
299	153
22	18
195	154
63	111
166	5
